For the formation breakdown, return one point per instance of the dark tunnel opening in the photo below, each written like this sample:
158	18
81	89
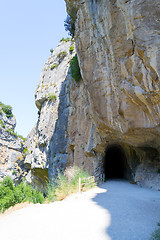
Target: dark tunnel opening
115	164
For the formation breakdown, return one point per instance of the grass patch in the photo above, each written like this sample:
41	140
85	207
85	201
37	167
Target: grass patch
11	194
67	184
75	70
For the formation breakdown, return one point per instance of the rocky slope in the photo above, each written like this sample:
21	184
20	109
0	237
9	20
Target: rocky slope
11	149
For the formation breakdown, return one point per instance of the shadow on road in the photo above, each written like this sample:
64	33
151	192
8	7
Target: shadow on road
134	211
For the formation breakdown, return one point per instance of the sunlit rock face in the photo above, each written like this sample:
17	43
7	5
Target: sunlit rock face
11	148
118	45
47	142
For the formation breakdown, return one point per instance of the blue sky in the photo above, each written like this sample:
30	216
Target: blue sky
28	30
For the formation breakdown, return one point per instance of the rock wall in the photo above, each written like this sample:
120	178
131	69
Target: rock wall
47	142
11	149
118	46
114	108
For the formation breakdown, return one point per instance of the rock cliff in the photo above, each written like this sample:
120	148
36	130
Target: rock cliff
47	142
108	122
11	148
118	46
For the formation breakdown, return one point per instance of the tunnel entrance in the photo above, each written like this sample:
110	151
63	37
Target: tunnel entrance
115	164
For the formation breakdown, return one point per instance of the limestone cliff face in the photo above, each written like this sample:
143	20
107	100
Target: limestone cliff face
11	148
118	46
47	142
108	122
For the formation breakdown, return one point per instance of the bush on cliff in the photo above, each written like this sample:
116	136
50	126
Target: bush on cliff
7	109
75	70
11	194
69	25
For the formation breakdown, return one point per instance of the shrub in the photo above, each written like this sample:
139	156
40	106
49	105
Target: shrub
71	49
69	25
75	70
51	50
61	56
65	40
155	235
7	109
11	194
55	65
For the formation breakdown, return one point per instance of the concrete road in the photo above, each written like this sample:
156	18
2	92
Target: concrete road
117	210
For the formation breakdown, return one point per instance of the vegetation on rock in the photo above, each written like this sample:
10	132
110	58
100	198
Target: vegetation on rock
51	96
65	40
155	235
51	50
67	184
75	70
55	65
69	23
71	49
61	56
7	109
11	194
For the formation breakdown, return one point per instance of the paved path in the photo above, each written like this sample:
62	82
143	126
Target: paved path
117	210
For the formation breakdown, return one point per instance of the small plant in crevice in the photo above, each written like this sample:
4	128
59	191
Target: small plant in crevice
51	50
71	49
25	152
61	56
65	39
55	65
51	97
75	70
